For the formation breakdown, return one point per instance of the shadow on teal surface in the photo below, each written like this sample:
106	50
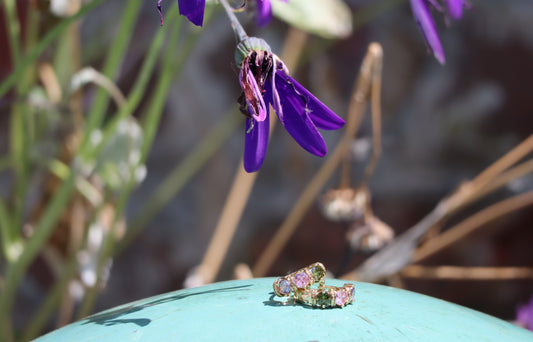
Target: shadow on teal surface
246	310
112	316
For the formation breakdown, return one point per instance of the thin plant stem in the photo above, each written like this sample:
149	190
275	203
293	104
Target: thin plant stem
90	75
47	222
376	132
6	233
44	228
36	50
141	83
153	114
467	273
113	62
235	24
507	177
13	30
242	184
355	113
32	35
376	122
471	224
18	139
510	158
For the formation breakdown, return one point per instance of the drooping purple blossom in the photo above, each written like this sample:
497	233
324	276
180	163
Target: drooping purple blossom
421	12
524	315
192	9
265	81
264	12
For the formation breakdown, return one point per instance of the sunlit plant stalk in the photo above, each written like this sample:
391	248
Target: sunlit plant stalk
48	220
151	120
112	63
36	50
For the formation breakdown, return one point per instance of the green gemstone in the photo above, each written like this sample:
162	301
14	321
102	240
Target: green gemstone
318	272
323	298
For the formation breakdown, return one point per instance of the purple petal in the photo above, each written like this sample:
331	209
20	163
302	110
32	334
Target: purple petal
294	117
193	10
455	8
160	11
322	116
253	95
525	315
264	12
427	26
255	144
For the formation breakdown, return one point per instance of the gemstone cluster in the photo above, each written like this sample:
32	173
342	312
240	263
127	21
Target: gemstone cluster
299	284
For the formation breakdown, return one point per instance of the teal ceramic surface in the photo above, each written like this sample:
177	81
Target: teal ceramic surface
247	310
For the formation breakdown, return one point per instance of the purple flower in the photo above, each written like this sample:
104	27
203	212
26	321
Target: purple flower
264	12
192	9
265	81
524	315
454	10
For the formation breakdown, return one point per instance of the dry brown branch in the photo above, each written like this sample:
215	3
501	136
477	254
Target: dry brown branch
471	224
397	255
467	273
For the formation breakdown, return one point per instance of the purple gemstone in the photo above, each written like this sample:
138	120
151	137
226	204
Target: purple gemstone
301	280
284	287
351	293
341	297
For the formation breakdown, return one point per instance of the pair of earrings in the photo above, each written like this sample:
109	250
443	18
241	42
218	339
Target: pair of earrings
299	284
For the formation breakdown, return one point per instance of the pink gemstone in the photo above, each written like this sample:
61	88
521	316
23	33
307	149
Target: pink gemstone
301	280
341	297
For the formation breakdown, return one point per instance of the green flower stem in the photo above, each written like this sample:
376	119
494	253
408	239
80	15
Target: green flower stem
32	55
44	228
153	114
13	29
32	35
141	83
132	103
235	24
6	232
112	64
66	59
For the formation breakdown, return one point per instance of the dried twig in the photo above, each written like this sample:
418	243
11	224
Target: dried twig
471	224
397	255
467	273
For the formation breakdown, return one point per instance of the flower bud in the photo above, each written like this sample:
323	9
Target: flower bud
248	45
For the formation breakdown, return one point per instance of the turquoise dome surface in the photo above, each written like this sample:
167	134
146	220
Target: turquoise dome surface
247	310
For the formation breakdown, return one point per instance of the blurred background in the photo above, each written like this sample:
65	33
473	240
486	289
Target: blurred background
441	126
